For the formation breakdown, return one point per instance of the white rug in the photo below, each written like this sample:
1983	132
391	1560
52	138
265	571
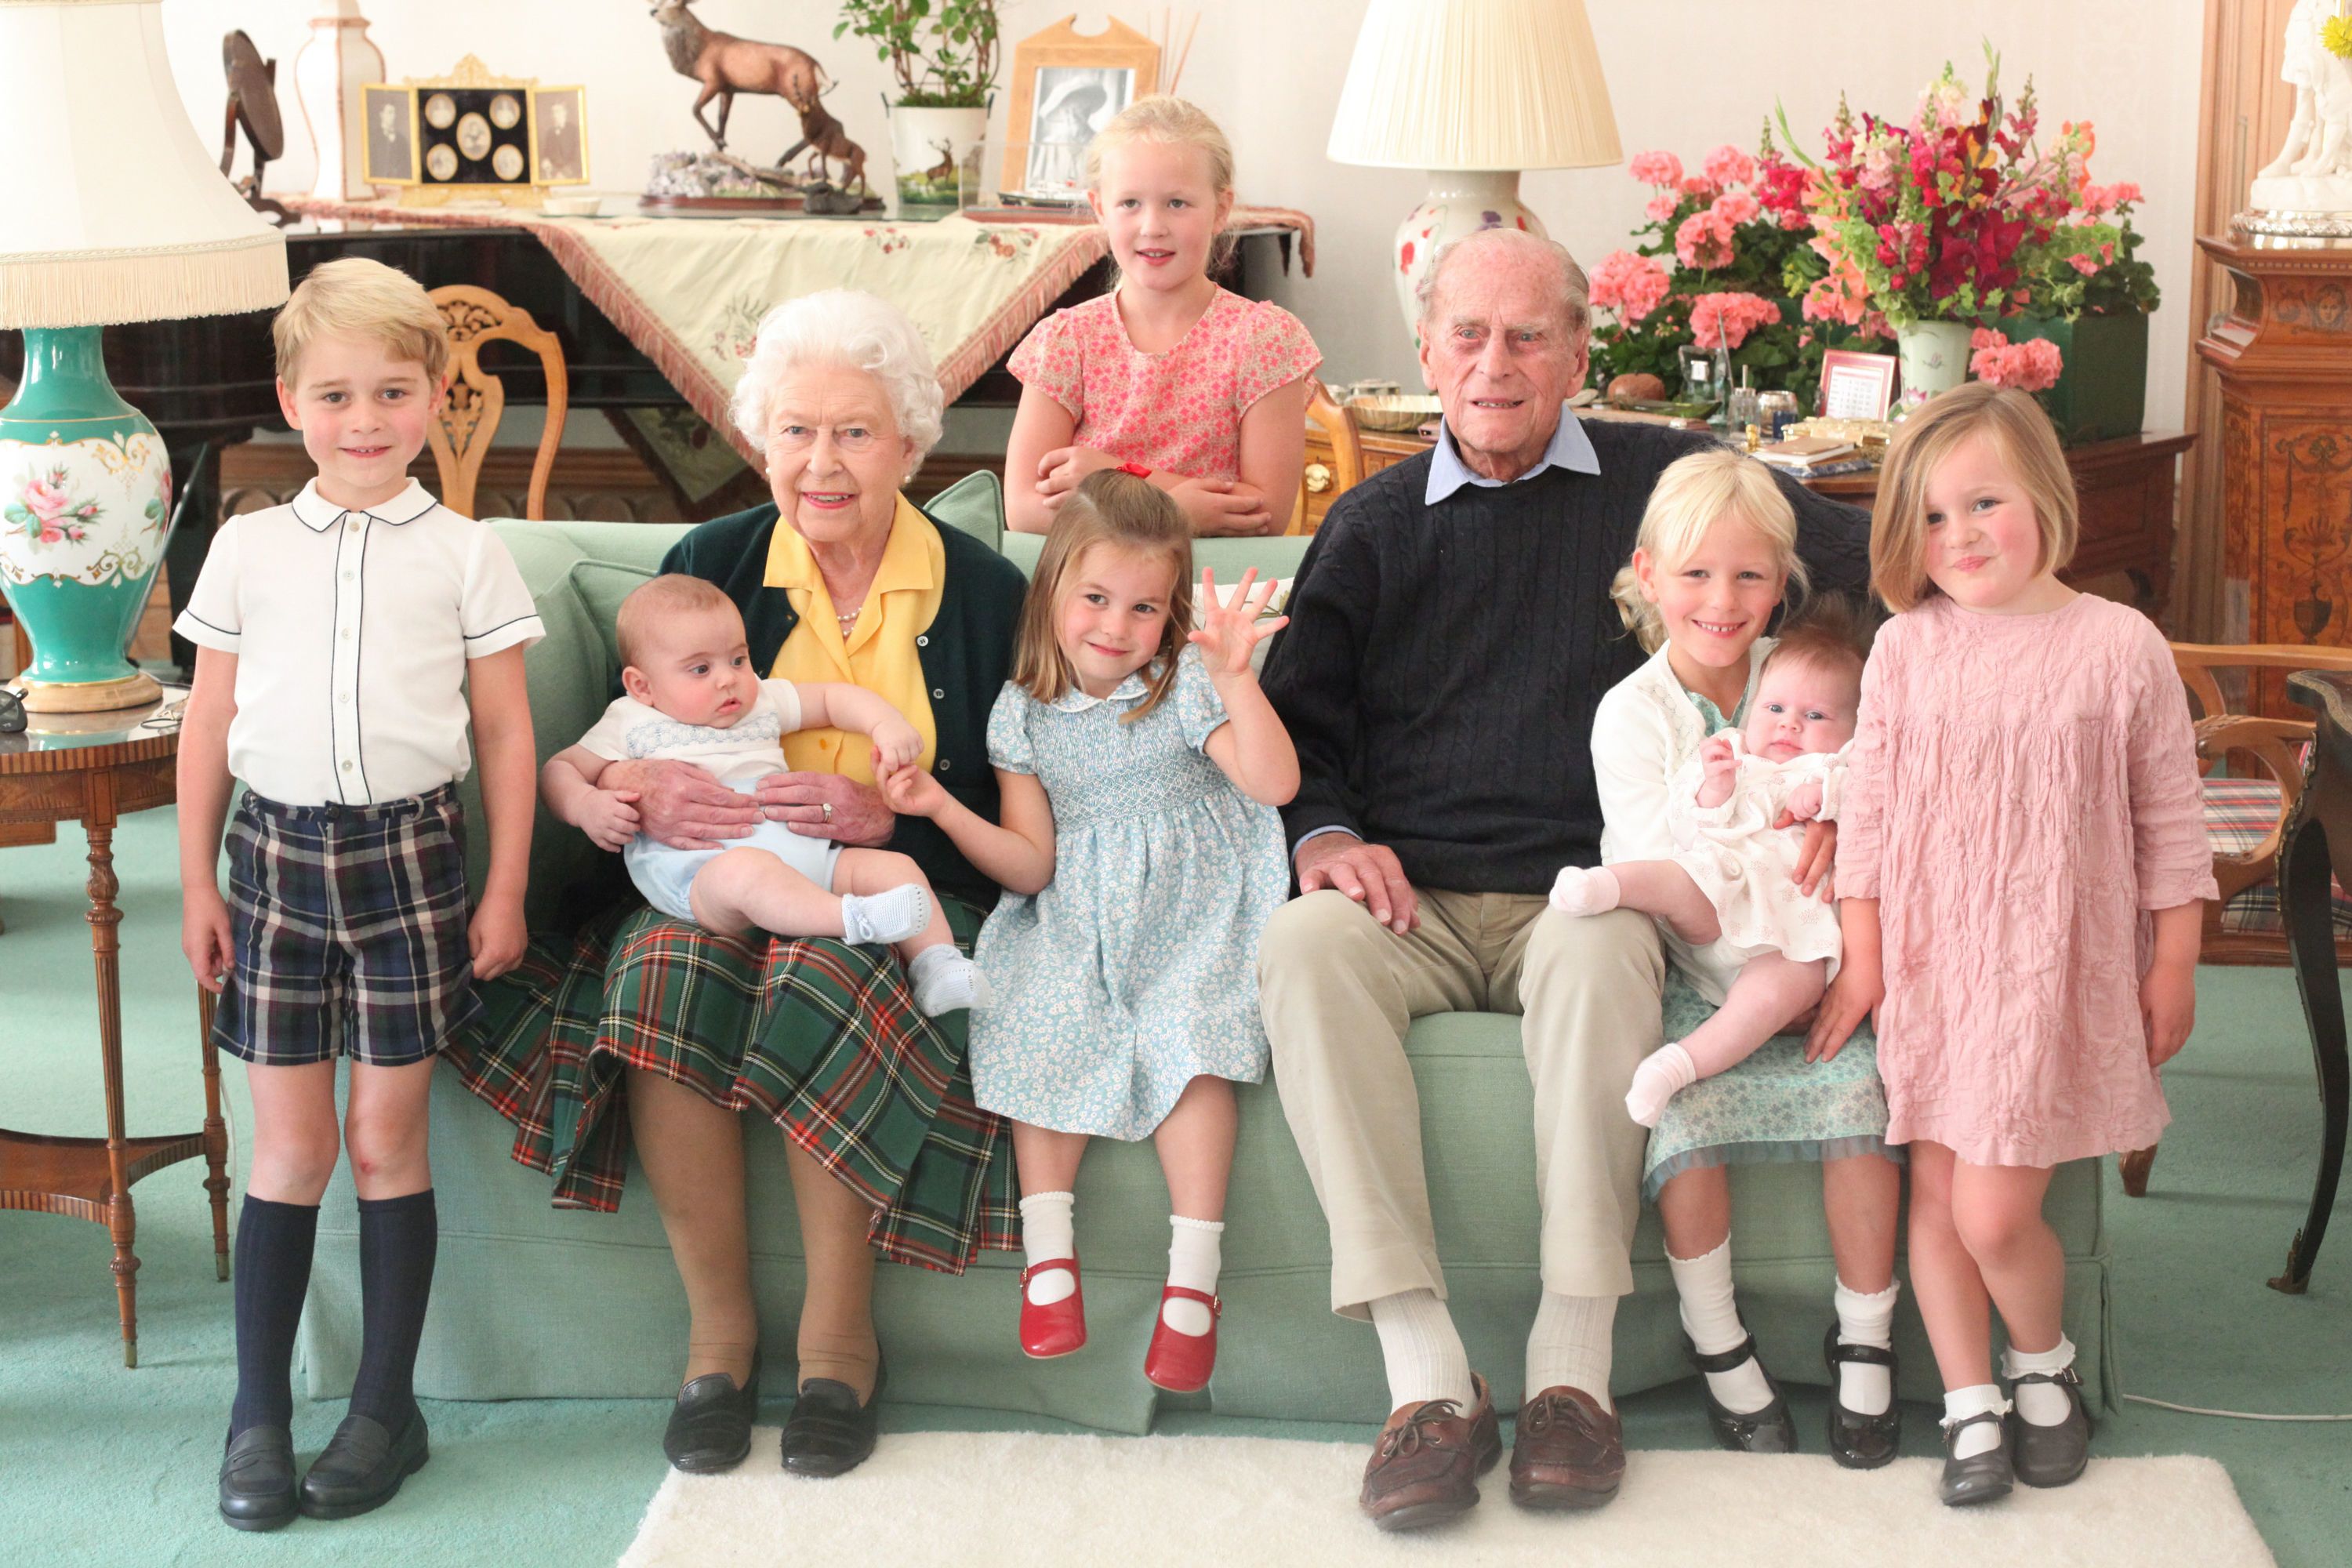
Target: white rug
1010	1499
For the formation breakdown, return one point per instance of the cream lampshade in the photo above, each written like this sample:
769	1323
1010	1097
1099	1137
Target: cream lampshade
1474	91
115	213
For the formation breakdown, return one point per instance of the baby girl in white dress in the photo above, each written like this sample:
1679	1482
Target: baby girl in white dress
1762	951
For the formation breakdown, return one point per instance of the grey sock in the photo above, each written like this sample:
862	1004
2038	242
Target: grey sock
885	918
946	980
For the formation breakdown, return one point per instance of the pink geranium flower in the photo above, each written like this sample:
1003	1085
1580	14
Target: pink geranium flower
1662	207
1727	166
1738	208
1657	168
1631	285
1724	321
1703	241
2084	265
2030	366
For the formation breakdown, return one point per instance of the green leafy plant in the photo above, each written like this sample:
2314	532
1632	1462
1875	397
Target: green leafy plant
943	52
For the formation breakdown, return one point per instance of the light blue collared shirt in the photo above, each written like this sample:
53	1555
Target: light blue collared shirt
1570	448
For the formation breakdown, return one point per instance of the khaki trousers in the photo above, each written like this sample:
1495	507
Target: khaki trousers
1338	989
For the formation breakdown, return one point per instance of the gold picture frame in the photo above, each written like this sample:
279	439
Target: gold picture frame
559	135
474	136
1078	81
390	115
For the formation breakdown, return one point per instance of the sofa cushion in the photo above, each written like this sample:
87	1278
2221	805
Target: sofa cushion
975	503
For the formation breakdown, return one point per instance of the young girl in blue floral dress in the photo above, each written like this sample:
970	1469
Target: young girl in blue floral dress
1140	767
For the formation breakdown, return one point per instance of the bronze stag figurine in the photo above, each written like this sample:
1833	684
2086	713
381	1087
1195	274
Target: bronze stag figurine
726	65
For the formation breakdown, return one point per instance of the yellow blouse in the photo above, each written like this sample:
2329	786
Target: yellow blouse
880	652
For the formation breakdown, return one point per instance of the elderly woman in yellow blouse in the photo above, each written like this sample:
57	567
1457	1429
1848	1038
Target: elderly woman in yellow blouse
840	578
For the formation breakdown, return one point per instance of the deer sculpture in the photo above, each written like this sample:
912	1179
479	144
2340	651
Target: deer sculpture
726	65
822	134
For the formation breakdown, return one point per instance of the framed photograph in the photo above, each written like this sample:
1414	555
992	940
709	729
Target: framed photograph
390	116
1858	385
1066	85
559	134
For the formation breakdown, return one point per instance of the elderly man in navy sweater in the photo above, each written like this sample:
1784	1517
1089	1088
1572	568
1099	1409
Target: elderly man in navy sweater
1450	634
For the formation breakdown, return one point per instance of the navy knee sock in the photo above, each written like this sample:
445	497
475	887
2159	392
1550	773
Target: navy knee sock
273	1275
397	1240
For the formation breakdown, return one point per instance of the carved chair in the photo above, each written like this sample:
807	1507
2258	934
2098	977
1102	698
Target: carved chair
1346	468
460	434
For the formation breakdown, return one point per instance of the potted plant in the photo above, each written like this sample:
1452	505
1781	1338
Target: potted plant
943	54
2089	294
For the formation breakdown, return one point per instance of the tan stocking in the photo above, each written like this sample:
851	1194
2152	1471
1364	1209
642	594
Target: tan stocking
836	1337
693	1155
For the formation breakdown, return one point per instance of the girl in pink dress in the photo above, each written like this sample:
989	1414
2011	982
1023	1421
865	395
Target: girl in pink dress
2022	860
1169	377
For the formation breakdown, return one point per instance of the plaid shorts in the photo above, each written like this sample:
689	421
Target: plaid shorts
349	927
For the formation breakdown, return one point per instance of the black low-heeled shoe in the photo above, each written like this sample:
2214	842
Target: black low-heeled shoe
710	1425
1979	1478
1860	1442
362	1465
2053	1456
258	1489
830	1432
1771	1430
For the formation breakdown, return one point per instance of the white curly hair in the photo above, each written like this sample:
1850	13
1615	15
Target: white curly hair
851	327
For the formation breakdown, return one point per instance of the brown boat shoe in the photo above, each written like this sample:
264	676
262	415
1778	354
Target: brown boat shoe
1426	1463
1568	1451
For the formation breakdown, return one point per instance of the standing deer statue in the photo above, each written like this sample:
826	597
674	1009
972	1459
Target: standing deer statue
822	134
726	65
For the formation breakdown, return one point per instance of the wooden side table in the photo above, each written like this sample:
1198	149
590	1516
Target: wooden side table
2318	845
94	767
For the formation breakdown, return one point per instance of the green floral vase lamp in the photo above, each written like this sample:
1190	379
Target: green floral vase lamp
1474	91
124	217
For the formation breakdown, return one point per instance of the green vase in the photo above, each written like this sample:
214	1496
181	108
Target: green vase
85	504
2102	391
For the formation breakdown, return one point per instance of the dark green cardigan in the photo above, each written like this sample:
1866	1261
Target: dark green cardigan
966	656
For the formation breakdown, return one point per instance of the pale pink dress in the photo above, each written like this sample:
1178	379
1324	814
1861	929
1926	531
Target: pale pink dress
2022	790
1181	410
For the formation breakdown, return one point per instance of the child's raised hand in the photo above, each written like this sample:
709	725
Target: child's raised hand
609	817
895	744
1715	757
911	791
1230	630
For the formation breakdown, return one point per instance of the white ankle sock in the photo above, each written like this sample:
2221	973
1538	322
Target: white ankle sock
886	917
1663	1074
1422	1350
1585	890
1195	1252
1863	1320
945	980
2043	1404
1047	1233
1572	1343
1985	1436
1711	1318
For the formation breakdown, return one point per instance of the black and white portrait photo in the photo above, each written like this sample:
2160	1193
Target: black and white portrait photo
561	137
391	145
1072	103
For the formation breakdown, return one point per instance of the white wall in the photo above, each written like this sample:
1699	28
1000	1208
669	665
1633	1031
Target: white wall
1685	75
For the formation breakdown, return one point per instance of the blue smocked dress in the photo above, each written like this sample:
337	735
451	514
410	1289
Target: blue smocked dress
1136	970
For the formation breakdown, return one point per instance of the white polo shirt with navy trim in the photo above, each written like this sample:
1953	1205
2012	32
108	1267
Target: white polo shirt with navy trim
351	631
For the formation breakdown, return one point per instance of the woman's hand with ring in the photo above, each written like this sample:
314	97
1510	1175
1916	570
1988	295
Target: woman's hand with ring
827	805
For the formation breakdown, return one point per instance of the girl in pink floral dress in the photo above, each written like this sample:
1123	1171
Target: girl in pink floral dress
2023	861
1169	377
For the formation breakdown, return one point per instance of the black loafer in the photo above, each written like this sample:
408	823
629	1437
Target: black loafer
1980	1477
1860	1442
2053	1456
362	1467
1771	1430
830	1432
257	1480
710	1425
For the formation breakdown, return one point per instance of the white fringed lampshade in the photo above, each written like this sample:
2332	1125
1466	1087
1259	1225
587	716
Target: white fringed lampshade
110	208
1475	84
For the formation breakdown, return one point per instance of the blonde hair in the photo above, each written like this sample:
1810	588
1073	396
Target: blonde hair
1172	123
2029	447
1127	513
1690	497
356	298
657	599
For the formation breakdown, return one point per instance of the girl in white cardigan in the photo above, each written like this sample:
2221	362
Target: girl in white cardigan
1715	555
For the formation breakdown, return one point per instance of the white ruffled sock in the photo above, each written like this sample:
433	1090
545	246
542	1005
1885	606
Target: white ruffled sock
1422	1350
1580	890
1195	1253
880	918
1663	1074
1047	1232
1962	1402
1863	1320
1711	1318
2043	1404
945	980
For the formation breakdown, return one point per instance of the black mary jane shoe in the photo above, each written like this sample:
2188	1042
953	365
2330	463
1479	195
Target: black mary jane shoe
1860	1442
710	1425
829	1433
2053	1456
362	1467
1980	1477
1771	1430
258	1489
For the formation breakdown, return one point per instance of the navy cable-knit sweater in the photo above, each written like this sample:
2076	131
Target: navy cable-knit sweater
1443	663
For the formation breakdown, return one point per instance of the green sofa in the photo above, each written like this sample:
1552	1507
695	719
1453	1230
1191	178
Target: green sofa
530	1301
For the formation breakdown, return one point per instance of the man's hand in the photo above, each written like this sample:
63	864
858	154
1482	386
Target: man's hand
1368	873
680	804
204	936
496	937
858	817
608	816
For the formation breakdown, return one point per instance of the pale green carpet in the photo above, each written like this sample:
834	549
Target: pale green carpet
100	1466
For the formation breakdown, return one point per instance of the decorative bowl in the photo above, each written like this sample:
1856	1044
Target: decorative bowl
1400	412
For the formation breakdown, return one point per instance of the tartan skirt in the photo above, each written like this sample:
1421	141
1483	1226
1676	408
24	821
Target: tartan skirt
819	1037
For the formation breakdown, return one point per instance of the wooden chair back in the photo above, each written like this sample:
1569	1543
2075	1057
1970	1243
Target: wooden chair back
1346	468
460	435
